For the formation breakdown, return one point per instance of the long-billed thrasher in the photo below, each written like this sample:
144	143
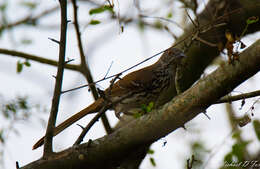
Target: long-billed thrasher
150	84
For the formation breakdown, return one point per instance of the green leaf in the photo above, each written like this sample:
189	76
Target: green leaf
238	150
27	63
143	108
94	22
96	10
1	136
11	107
26	41
108	8
137	115
150	151
197	146
1	31
252	19
158	25
101	9
3	7
256	125
147	108
19	67
236	135
141	25
169	15
150	106
22	102
122	28
228	157
152	161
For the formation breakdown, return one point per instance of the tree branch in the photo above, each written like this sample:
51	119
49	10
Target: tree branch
222	12
112	148
29	19
231	12
228	98
38	59
58	84
85	68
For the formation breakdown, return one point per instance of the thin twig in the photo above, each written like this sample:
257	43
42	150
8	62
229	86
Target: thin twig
193	22
58	84
165	19
76	26
54	40
84	66
80	126
91	123
198	31
69	60
253	105
190	162
238	97
29	18
108	70
37	58
204	41
106	106
34	19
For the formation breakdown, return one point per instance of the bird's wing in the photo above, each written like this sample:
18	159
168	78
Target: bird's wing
135	81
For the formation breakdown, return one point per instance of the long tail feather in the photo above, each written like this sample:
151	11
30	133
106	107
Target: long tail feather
95	107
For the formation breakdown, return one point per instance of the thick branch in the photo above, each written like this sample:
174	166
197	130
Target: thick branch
234	14
114	147
37	59
230	12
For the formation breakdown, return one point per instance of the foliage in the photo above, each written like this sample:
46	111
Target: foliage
19	65
101	9
147	108
144	109
256	125
13	112
94	22
150	152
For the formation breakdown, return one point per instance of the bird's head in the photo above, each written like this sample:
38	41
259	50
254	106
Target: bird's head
172	56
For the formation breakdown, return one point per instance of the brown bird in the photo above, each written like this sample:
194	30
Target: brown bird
150	84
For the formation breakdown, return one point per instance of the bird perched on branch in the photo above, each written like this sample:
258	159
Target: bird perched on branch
150	84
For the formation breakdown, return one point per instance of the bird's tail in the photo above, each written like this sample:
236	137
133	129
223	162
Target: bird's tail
94	107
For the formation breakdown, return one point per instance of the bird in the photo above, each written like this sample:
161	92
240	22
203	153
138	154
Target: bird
149	84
